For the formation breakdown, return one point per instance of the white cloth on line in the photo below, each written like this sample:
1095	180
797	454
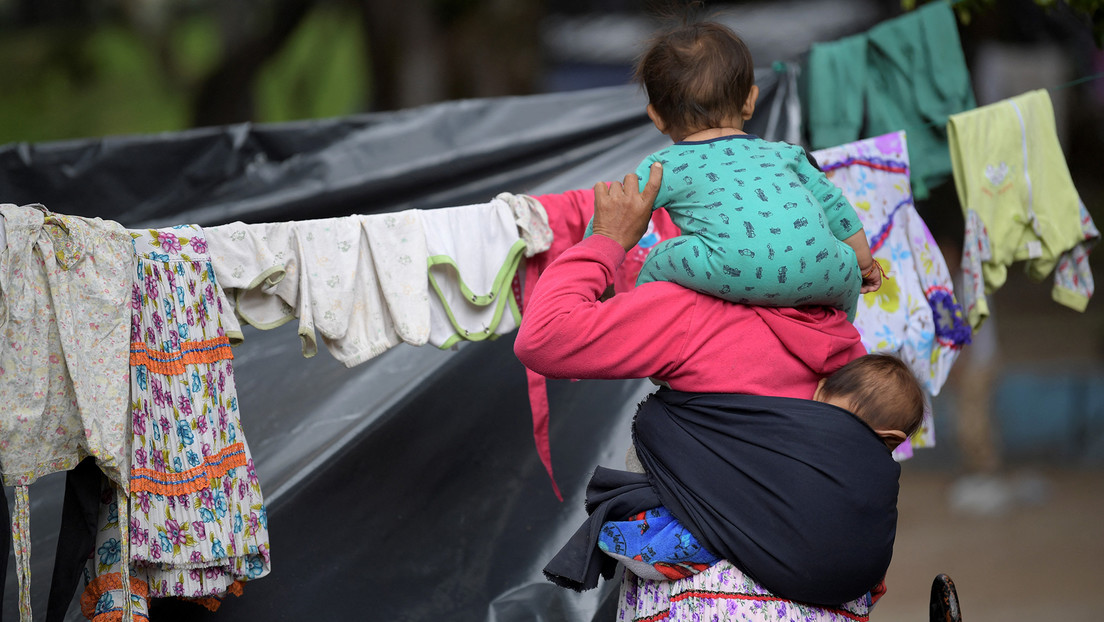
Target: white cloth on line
357	282
474	252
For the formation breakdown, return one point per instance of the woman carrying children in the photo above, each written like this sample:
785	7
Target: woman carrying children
832	472
795	492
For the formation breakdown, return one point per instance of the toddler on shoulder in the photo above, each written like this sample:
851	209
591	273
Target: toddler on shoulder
761	224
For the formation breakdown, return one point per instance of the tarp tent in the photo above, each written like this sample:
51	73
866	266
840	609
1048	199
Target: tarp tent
407	488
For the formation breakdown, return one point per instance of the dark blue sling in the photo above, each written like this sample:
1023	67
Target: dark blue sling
800	495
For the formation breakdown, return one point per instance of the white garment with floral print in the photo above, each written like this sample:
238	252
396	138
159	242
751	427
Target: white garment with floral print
532	221
722	592
258	268
914	313
357	281
198	523
64	357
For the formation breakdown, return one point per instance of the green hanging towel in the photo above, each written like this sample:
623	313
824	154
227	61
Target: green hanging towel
908	73
836	90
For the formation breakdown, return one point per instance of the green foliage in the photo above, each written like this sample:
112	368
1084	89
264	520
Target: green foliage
321	72
195	47
64	85
108	78
1093	10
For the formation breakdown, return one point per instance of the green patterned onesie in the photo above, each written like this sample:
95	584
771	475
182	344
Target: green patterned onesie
760	225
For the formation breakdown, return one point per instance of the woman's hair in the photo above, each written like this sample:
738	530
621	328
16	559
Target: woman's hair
881	390
696	76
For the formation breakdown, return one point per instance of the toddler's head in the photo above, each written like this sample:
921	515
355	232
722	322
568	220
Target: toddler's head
882	391
697	76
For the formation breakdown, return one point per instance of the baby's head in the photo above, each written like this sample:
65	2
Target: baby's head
882	391
698	76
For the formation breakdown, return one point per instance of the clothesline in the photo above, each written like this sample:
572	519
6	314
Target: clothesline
1089	78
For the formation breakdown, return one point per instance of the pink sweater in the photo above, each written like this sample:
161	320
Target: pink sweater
692	341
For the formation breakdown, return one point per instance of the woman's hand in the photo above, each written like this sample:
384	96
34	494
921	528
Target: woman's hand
622	211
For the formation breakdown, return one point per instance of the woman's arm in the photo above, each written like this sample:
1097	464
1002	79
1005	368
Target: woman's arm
568	333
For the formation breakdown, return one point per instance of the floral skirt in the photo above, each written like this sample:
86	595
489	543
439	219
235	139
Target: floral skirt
722	592
197	523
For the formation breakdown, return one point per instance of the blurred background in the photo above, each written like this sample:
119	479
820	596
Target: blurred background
1010	502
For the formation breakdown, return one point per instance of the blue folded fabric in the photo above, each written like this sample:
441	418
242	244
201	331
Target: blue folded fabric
654	545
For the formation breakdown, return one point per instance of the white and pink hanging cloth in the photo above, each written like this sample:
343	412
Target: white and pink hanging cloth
914	314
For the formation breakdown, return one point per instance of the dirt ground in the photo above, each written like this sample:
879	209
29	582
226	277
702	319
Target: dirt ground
1040	560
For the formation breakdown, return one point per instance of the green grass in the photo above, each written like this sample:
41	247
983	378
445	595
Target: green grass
71	84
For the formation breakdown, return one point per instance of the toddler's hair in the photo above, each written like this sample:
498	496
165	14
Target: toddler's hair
696	76
881	390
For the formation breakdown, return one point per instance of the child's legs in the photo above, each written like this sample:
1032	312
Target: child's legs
829	278
685	260
790	276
